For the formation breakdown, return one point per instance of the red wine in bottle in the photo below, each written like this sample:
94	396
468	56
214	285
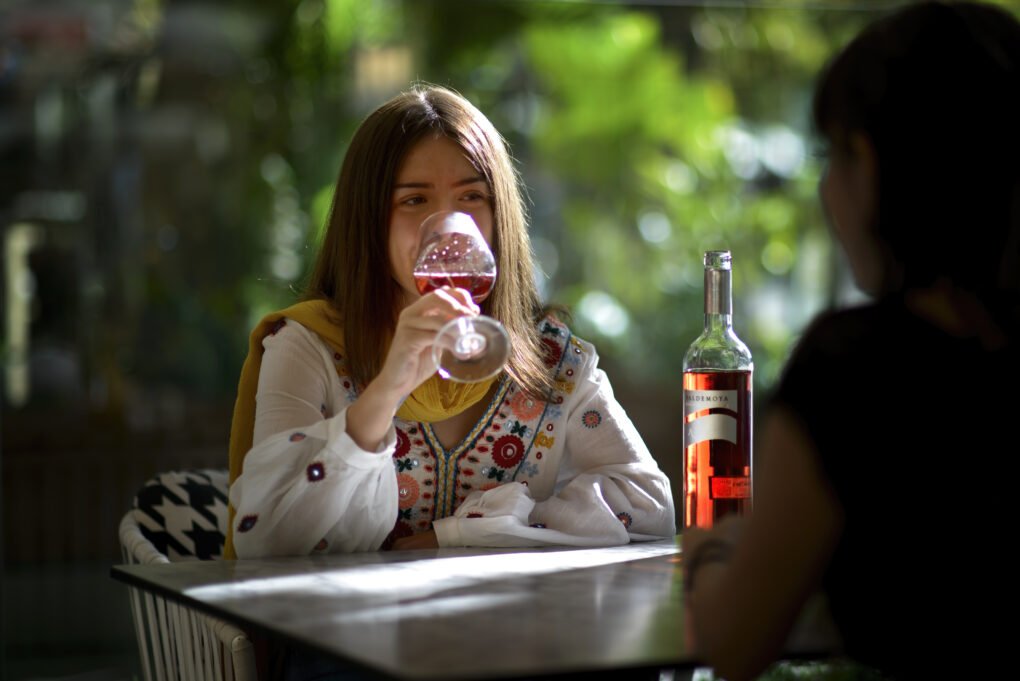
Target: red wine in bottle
717	408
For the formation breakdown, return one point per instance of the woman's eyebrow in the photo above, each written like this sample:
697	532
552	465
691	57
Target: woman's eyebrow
426	185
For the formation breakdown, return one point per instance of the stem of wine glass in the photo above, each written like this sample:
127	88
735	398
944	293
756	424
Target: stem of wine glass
469	344
470	349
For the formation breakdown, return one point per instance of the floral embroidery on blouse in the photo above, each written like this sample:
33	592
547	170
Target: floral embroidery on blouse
407	491
315	471
508	451
552	352
526	407
506	445
528	469
518	428
542	440
403	444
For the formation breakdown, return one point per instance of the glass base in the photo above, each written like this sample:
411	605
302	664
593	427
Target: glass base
471	349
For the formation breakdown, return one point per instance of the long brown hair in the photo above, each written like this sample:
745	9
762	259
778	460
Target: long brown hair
353	271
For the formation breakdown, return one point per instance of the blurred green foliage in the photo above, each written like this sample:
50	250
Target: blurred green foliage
645	133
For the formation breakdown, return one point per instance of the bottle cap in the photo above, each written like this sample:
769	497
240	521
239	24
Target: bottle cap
717	260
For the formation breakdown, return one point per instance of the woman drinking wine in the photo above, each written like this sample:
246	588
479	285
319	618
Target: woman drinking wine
345	437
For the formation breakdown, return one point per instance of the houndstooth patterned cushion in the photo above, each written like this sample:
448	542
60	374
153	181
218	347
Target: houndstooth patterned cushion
184	514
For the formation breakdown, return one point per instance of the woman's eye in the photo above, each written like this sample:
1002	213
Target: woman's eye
413	201
474	196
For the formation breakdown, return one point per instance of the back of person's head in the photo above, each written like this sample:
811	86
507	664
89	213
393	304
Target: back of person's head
935	88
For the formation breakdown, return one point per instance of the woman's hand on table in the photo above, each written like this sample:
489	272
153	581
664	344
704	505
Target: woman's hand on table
727	531
705	553
424	540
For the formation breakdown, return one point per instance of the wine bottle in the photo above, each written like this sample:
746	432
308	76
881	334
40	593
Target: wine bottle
717	408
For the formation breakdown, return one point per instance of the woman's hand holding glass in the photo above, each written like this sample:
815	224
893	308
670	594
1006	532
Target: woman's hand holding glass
408	364
410	361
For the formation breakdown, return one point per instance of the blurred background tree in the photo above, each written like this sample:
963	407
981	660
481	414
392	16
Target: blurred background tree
644	134
167	170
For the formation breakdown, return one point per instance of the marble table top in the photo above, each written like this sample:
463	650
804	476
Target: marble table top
453	613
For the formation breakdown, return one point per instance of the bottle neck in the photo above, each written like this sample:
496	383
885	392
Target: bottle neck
718	322
718	300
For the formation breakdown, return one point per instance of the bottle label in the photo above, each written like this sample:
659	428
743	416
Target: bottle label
696	400
730	488
709	426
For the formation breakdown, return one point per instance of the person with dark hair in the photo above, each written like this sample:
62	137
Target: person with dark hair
883	476
345	438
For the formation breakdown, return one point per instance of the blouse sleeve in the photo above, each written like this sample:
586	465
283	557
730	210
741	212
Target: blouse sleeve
306	485
609	490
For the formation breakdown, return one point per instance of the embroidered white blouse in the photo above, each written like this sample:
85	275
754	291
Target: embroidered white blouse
570	471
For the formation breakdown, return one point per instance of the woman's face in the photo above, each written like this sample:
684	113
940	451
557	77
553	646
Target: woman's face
435	175
849	194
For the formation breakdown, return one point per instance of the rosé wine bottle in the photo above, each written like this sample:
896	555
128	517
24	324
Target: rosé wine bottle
717	408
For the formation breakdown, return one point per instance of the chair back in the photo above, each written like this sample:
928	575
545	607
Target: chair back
182	516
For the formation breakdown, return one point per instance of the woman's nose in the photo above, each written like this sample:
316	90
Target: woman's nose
447	203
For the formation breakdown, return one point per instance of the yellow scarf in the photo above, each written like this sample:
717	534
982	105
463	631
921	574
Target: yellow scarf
434	400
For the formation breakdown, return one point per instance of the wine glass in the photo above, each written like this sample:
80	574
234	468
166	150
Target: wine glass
452	252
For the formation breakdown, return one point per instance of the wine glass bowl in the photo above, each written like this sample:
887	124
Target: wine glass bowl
453	253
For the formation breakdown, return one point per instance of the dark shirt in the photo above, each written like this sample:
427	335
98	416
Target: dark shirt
916	432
